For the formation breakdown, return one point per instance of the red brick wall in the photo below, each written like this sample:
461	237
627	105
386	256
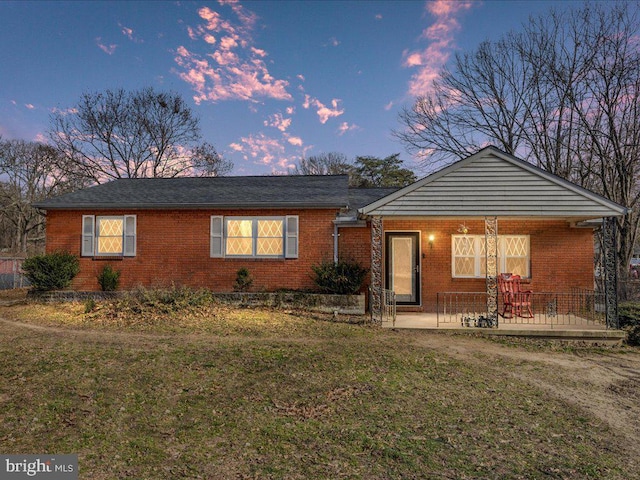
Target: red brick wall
173	246
561	257
354	243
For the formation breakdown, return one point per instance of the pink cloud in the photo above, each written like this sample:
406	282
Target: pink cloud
29	106
324	112
389	106
278	121
212	18
108	49
345	127
260	149
228	66
443	8
441	35
192	33
66	111
128	32
295	141
290	110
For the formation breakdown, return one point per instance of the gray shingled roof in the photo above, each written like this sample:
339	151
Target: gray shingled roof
209	192
360	197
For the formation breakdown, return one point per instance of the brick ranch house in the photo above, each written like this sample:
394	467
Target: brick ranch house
432	236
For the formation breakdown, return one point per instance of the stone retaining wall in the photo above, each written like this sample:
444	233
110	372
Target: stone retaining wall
342	304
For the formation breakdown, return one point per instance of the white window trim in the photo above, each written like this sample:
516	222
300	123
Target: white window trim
219	228
90	235
479	258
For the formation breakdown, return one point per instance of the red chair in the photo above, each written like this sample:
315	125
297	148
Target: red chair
515	301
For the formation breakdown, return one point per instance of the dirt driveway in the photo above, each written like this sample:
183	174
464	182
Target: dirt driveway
606	383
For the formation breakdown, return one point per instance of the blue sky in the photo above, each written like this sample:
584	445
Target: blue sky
271	81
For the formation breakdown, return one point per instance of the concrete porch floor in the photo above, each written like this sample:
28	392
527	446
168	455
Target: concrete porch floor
580	330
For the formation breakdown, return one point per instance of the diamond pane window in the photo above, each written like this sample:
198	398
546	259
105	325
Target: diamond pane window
270	228
270	246
270	240
464	256
110	236
464	267
515	254
256	237
468	255
239	237
239	228
239	246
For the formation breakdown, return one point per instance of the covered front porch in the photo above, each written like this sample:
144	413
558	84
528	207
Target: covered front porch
439	246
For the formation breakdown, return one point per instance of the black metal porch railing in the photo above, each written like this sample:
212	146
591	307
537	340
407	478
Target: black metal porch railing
387	312
579	308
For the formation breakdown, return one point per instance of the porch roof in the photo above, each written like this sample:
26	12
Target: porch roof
494	183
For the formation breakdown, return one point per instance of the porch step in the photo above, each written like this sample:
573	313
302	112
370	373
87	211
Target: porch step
591	336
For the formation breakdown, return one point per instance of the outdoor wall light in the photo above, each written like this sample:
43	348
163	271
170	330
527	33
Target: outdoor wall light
431	238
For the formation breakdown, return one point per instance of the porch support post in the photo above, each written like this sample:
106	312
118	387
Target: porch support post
375	302
491	256
610	272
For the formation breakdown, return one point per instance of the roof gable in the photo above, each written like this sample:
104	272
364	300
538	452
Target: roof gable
286	191
494	183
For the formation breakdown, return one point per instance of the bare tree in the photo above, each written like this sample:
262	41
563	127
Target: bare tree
479	98
563	93
364	172
206	160
331	163
32	172
144	133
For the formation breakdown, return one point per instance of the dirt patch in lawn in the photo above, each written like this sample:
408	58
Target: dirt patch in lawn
604	382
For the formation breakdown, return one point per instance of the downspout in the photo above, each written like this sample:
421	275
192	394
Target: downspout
335	242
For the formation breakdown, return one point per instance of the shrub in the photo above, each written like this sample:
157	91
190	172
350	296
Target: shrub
629	314
109	279
53	271
89	305
629	318
163	300
243	280
633	335
343	277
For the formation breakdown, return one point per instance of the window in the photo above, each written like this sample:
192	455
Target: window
468	255
266	237
108	235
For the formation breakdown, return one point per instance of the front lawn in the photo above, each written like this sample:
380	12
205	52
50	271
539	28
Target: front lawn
221	393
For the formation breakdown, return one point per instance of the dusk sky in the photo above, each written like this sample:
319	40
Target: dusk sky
271	81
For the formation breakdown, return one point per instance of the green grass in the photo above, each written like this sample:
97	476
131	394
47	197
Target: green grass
264	394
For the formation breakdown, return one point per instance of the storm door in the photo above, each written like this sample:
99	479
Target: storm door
403	266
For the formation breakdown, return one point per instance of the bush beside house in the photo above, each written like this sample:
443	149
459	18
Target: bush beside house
52	271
